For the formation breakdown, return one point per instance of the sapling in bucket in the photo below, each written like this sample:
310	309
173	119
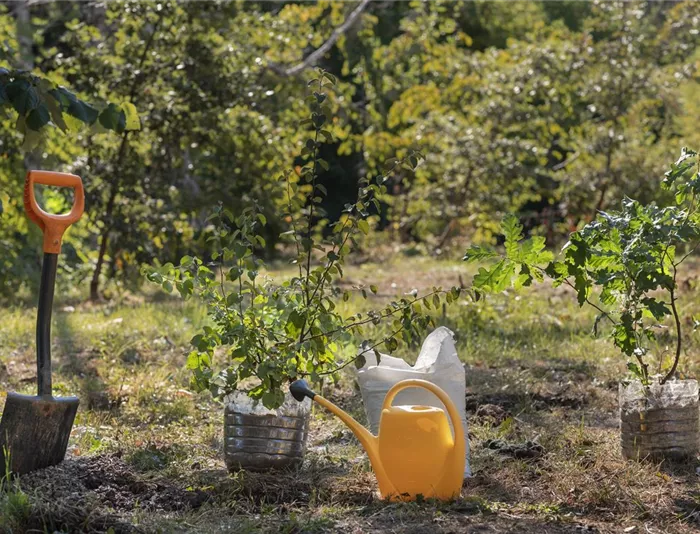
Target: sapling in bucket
631	258
264	333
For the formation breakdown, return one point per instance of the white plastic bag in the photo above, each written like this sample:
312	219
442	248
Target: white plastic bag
437	363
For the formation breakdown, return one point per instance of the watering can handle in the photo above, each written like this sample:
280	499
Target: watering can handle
435	390
53	226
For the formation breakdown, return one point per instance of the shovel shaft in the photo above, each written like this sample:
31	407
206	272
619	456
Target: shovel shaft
43	323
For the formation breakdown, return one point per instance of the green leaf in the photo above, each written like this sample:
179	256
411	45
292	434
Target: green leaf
496	279
601	260
479	253
193	360
273	399
389	164
607	297
186	288
623	335
295	322
583	288
56	111
38	117
524	278
113	118
557	271
680	167
363	225
74	106
31	138
576	251
532	251
658	309
513	232
23	96
635	370
131	116
373	289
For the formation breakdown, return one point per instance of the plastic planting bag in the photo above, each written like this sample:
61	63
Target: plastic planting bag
437	363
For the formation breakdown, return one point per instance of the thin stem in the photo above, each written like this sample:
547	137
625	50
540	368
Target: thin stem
330	263
644	368
687	218
688	254
677	320
221	276
240	289
601	310
568	283
321	282
294	227
309	227
369	349
373	318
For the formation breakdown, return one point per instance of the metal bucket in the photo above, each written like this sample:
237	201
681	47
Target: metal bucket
661	422
261	442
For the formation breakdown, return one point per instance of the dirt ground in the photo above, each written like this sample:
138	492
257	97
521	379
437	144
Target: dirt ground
527	478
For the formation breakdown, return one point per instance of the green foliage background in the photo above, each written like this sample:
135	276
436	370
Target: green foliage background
551	110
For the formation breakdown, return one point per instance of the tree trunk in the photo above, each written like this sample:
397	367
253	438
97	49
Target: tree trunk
121	153
24	35
95	282
25	61
107	219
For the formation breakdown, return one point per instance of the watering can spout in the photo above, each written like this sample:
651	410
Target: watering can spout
300	389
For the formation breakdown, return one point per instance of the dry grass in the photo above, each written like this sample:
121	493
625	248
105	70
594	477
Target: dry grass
146	455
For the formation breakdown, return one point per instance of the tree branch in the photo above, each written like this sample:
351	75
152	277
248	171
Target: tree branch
317	54
564	164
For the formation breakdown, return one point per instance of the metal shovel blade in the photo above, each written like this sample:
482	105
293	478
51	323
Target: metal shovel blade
34	430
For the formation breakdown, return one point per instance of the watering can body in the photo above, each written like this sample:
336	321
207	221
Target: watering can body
415	452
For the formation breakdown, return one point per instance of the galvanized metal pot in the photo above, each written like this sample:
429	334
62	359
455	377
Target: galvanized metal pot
660	422
258	439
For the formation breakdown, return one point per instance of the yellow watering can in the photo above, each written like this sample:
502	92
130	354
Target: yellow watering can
415	452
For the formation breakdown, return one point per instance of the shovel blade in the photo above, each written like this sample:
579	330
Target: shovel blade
35	431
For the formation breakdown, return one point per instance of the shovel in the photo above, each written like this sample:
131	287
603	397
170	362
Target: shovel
34	431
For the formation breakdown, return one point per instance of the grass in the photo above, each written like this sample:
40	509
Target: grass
14	503
146	454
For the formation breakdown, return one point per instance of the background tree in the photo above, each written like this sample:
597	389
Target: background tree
549	110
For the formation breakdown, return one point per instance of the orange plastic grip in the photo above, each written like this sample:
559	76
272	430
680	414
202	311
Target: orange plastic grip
53	226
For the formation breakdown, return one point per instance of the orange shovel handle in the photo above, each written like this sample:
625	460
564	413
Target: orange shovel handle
53	226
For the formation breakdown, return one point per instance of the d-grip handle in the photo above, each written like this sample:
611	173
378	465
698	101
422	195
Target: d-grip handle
458	429
53	226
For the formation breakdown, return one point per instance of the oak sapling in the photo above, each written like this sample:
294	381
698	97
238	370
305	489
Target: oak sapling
628	258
